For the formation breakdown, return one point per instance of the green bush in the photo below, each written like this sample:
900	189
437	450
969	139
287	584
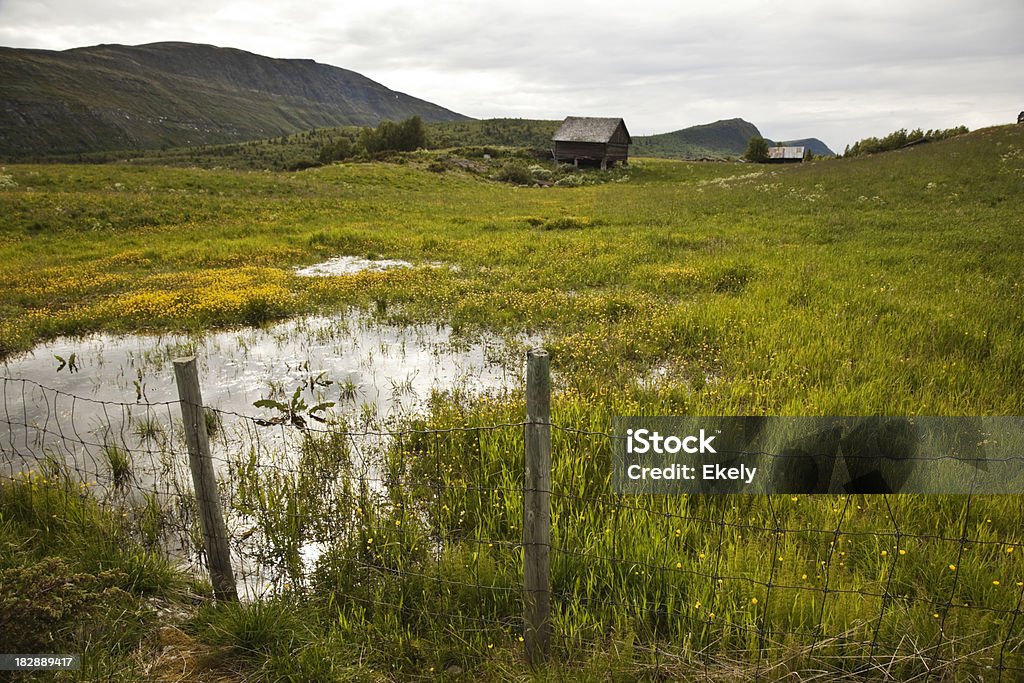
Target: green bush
336	151
900	138
514	172
566	223
40	601
406	136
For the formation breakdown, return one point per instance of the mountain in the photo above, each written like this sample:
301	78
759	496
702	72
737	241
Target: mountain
725	138
728	137
109	97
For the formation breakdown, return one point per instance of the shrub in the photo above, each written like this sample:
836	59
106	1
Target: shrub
899	138
566	223
302	165
514	172
389	136
336	151
39	601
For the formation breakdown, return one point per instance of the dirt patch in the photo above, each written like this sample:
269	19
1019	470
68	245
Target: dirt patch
173	655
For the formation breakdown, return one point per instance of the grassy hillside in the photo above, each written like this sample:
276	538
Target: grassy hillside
528	133
302	150
111	97
494	136
885	285
721	139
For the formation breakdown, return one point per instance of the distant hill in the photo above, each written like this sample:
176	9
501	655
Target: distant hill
110	97
721	139
728	137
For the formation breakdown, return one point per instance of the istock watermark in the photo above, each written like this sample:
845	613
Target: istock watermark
951	455
644	440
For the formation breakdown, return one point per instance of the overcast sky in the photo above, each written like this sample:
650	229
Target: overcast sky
839	70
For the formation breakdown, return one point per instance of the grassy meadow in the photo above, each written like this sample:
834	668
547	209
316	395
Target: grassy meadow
888	284
878	285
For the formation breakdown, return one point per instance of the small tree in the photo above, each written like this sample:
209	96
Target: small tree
336	151
412	135
405	136
757	150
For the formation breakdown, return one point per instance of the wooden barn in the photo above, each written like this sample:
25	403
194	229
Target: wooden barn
591	140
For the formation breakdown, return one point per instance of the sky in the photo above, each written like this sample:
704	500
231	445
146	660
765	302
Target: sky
837	70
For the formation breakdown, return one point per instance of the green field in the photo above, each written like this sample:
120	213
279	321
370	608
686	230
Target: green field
876	285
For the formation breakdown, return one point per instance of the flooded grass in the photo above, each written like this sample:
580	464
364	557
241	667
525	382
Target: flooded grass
297	413
119	461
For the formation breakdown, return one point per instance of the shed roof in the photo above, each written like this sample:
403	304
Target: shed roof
589	129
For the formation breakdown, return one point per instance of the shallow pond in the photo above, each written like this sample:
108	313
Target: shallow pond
348	360
347	265
75	399
89	406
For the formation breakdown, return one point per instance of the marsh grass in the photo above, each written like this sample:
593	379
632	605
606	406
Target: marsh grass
148	428
420	568
119	461
882	285
768	583
292	505
793	286
76	580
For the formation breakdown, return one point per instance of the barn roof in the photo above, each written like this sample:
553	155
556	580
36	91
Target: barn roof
785	152
588	129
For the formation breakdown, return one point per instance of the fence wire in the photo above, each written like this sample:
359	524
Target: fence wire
424	524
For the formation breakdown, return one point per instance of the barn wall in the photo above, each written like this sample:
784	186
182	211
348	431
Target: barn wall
580	150
590	150
616	152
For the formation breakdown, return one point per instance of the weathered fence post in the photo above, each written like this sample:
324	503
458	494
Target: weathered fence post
537	509
204	480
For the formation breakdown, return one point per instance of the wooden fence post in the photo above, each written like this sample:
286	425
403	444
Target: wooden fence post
537	509
204	480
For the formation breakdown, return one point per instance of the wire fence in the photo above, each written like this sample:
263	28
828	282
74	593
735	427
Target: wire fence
423	523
